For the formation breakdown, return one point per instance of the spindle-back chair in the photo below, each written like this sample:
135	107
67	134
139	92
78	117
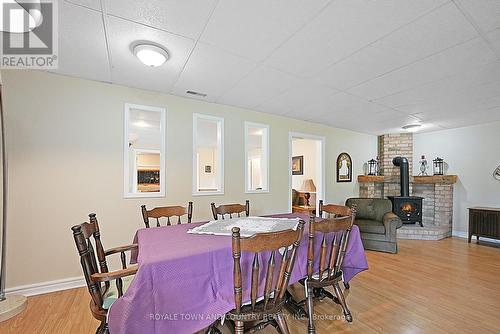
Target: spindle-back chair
95	269
334	234
331	211
230	209
167	212
281	247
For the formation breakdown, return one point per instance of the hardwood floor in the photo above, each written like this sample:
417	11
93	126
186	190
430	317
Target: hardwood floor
445	286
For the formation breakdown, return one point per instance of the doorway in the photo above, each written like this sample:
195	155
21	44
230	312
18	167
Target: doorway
306	171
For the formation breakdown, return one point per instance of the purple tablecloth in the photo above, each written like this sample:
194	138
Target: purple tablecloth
185	281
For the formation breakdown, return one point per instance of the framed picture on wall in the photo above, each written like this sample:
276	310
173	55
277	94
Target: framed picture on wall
298	165
344	168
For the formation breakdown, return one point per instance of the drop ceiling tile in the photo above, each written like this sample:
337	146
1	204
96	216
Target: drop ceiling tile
298	99
451	61
255	28
480	117
450	86
186	18
467	103
128	70
440	29
342	28
344	104
259	86
485	13
494	38
387	121
85	57
211	71
94	4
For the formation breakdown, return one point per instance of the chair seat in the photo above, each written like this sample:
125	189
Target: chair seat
247	313
325	275
112	294
370	226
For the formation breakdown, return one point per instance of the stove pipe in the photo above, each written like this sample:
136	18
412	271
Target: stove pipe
404	173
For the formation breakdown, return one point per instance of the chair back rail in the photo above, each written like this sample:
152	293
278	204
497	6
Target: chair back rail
260	245
332	210
230	209
167	212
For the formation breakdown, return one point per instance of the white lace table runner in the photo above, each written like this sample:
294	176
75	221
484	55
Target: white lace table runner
248	226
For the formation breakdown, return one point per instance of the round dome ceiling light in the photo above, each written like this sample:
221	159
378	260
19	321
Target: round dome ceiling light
151	55
412	127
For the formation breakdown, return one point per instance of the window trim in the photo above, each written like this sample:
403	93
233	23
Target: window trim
220	143
267	147
163	153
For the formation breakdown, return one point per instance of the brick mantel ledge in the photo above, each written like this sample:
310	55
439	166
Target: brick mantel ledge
434	179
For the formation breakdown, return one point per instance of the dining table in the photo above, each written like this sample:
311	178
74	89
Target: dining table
184	281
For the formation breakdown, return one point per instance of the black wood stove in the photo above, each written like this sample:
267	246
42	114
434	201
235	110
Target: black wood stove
406	207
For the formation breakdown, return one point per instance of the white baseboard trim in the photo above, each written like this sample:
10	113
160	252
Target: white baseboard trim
47	287
461	234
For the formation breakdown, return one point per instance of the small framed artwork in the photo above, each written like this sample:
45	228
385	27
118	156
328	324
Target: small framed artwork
344	168
208	169
298	165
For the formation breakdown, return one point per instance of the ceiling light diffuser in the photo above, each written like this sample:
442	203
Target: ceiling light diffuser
151	55
142	124
412	127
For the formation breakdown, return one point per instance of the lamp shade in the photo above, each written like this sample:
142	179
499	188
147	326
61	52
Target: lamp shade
308	186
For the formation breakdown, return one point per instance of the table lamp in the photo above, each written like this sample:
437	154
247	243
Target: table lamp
308	187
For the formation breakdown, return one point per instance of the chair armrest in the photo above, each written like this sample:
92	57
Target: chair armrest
120	249
112	275
391	218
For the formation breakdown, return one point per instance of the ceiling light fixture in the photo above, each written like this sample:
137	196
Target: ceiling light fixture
412	127
142	124
151	55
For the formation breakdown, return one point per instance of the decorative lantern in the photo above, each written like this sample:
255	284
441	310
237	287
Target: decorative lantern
423	166
438	165
372	167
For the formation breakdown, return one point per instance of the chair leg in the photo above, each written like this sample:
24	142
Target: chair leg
103	328
340	296
310	310
212	329
280	319
238	327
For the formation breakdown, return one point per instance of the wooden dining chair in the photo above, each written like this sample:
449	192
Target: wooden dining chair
334	239
104	286
230	209
331	211
167	212
281	248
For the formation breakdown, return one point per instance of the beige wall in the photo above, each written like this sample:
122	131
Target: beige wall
66	160
472	153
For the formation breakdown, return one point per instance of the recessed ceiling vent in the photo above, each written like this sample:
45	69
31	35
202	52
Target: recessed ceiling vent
192	92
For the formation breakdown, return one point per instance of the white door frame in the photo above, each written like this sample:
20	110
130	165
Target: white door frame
322	186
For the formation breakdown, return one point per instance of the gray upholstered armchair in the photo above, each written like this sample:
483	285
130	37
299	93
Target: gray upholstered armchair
377	223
